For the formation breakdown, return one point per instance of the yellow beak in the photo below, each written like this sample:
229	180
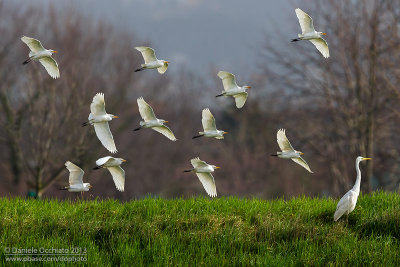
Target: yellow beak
301	153
124	160
55	51
116	117
367	158
323	33
165	121
217	167
248	86
225	132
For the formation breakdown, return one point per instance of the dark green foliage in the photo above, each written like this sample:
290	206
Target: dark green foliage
213	232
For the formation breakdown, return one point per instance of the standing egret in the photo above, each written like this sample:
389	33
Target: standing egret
114	167
150	120
99	118
151	61
288	151
348	202
38	52
203	172
76	183
232	89
210	129
309	33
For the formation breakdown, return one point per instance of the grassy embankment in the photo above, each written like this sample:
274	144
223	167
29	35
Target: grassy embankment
202	231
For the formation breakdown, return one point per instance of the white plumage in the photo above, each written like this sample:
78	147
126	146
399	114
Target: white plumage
203	172
209	126
232	89
309	33
150	120
288	152
38	52
76	183
114	167
99	118
151	61
348	202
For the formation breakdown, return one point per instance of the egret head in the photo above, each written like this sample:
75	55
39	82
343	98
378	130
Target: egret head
215	167
164	121
89	186
122	160
300	153
359	159
166	62
322	33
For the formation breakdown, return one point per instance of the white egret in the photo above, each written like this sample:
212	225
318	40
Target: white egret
348	202
76	183
232	89
210	129
38	52
99	118
288	151
151	61
150	120
309	33
114	166
203	172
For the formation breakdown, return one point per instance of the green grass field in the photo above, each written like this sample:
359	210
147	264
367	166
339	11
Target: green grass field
202	231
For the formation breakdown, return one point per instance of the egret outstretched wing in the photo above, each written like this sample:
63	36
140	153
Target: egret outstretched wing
75	174
148	54
102	161
118	175
33	44
105	136
98	105
240	99
197	163
145	110
283	142
228	80
306	22
208	120
163	69
322	46
208	183
302	163
51	66
164	130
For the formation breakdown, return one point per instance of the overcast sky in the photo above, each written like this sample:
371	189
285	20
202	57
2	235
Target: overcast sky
226	34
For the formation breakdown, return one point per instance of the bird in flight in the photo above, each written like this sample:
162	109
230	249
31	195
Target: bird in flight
232	89
38	52
210	129
76	183
151	61
113	165
308	33
99	118
203	172
348	202
288	151
150	120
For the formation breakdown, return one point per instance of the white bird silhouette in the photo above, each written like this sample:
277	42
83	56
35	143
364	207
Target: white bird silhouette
76	183
210	129
151	61
203	172
232	89
114	167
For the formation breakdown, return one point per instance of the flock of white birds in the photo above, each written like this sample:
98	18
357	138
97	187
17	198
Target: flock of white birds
100	119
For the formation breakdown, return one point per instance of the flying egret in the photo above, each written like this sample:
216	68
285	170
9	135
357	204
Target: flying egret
99	118
232	89
210	129
76	183
309	33
348	202
114	166
38	52
151	61
288	151
203	172
150	120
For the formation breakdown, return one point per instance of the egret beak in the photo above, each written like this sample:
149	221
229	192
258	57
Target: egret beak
90	186
301	153
124	160
367	158
217	167
225	132
323	33
165	121
167	62
115	117
248	87
54	51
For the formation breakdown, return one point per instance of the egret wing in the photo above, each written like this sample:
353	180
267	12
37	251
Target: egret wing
98	105
197	163
75	173
33	44
322	46
118	175
208	120
148	53
306	22
102	161
228	80
302	163
208	183
240	99
163	69
343	205
145	110
283	142
164	130
51	66
105	136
